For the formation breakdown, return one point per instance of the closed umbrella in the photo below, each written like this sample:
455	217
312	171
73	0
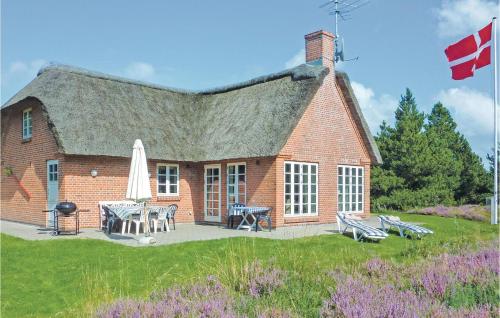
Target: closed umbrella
138	188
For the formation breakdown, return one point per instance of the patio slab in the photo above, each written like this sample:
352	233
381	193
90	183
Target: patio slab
183	233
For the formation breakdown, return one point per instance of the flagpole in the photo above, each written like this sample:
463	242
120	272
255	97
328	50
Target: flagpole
494	213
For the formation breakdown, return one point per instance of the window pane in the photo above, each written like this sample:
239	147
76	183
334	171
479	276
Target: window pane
231	169
305	169
173	188
305	188
340	171
305	209
288	209
313	198
162	189
305	178
288	199
288	188
288	178
296	209
288	167
232	179
162	179
230	189
313	178
296	188
360	171
360	207
296	178
313	188
296	168
304	198
313	208
241	178
162	169
313	169
173	179
241	169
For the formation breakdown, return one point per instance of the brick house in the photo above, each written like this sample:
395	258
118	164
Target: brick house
295	141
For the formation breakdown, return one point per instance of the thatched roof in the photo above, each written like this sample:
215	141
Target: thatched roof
92	113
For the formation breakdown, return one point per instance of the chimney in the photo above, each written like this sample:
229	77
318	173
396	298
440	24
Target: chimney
319	48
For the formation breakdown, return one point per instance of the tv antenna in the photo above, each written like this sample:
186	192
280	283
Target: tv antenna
342	9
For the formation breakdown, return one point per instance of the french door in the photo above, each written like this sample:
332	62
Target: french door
212	193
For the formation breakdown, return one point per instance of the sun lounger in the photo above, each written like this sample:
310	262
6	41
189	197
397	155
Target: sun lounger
359	229
388	221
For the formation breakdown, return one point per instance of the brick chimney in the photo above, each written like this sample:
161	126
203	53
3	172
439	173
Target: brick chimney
319	48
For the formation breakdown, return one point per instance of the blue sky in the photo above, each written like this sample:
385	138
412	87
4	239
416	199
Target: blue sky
201	44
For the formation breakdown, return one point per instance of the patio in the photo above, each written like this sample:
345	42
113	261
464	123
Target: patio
183	233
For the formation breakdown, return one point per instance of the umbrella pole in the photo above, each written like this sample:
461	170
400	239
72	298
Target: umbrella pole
146	221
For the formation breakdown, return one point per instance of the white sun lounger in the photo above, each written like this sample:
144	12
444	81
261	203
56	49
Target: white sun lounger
392	221
359	229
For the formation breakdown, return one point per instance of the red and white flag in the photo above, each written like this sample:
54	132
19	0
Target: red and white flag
470	53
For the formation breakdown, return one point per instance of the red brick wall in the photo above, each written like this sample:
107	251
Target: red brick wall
326	135
28	161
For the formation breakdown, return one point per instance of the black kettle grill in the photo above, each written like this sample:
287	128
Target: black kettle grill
66	207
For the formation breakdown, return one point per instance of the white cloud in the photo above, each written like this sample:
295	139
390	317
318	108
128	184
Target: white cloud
140	71
473	113
375	108
464	16
22	68
297	59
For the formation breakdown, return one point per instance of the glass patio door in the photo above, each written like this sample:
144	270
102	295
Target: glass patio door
212	193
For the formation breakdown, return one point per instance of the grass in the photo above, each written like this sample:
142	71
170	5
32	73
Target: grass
72	277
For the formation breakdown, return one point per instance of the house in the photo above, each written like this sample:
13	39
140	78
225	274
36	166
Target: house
295	141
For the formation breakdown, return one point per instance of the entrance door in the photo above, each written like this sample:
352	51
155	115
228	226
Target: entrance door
52	187
212	193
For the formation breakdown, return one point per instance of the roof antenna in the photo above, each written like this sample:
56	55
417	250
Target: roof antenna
342	9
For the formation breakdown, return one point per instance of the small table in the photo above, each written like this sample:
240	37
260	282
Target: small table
248	211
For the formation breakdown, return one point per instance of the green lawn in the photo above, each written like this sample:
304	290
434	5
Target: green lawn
72	277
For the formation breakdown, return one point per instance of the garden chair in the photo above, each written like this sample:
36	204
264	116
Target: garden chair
393	221
233	212
264	216
164	214
360	230
137	219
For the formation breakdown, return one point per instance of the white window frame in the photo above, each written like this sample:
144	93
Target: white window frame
27	124
292	190
167	181
348	194
236	165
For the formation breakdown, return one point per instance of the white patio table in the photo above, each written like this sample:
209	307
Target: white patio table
248	213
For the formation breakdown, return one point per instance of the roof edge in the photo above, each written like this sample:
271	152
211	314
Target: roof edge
300	72
372	145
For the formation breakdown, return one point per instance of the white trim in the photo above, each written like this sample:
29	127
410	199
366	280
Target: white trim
235	164
167	181
292	190
207	217
30	135
356	176
51	205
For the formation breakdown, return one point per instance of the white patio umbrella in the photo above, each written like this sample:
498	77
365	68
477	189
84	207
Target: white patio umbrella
138	188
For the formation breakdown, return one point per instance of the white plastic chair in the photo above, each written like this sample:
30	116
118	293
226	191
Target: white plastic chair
137	222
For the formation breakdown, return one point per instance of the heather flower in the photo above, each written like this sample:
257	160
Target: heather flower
468	212
209	299
264	280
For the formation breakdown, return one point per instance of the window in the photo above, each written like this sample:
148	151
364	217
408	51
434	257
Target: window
167	179
350	189
301	189
236	183
53	174
27	125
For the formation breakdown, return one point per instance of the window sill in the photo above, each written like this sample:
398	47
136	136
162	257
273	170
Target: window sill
25	140
301	219
168	198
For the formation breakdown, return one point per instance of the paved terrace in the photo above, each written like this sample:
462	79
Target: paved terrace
183	233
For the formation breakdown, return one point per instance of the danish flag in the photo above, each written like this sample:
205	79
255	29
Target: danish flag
470	53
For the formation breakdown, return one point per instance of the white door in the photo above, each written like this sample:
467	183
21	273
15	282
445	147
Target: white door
212	193
52	187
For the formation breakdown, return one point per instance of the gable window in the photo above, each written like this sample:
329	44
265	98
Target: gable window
27	124
350	189
301	189
167	177
236	183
